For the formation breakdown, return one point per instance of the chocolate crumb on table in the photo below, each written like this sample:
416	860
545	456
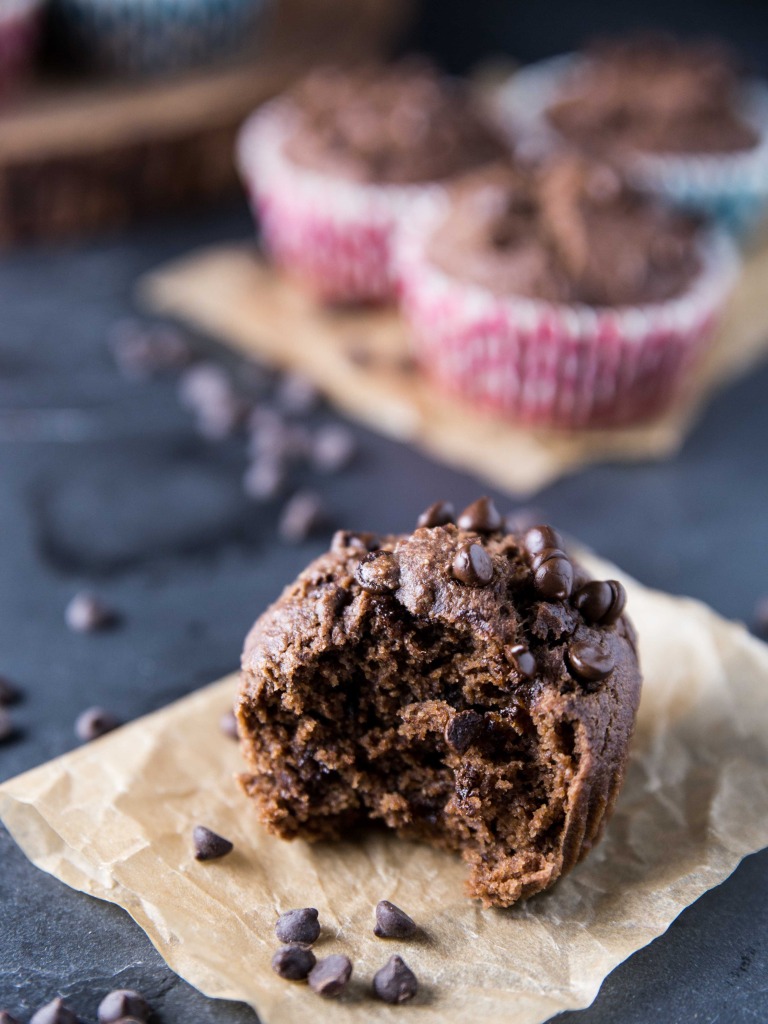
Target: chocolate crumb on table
293	962
9	692
330	976
88	613
55	1012
395	982
392	922
94	722
469	687
301	925
7	727
122	1004
209	845
302	516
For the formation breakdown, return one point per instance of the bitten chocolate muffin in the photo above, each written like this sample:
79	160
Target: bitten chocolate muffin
467	686
401	124
568	231
652	94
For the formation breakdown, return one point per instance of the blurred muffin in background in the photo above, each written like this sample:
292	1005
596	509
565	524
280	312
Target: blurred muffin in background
559	295
148	37
334	165
20	23
681	118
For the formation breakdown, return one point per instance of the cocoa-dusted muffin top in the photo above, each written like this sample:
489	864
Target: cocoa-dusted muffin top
655	95
467	684
399	124
568	230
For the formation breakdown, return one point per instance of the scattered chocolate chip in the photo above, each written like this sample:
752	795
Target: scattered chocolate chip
87	613
553	575
378	573
330	976
481	516
297	395
7	728
593	600
209	845
94	722
228	725
588	661
537	538
122	1003
462	730
392	922
760	618
440	514
303	515
206	390
344	539
521	659
395	982
293	962
6	1018
333	449
300	926
265	479
54	1012
9	692
473	565
143	350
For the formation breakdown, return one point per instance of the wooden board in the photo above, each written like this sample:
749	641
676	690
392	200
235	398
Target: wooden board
78	156
360	360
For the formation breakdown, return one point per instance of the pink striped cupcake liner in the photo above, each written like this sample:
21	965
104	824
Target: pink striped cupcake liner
558	365
334	236
20	23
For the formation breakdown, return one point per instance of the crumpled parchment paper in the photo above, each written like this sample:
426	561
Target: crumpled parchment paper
114	819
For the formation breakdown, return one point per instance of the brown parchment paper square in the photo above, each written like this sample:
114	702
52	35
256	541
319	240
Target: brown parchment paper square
114	819
359	359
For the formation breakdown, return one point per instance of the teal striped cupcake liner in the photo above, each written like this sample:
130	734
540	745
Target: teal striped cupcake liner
146	37
730	188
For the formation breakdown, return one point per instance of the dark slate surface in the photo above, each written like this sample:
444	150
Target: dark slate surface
104	483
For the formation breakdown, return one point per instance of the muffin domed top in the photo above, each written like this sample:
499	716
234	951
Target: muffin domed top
567	231
401	124
655	95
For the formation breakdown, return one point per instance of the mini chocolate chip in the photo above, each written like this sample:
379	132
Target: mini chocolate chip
265	479
542	556
94	722
87	613
209	845
553	576
588	661
617	604
440	514
462	730
333	449
537	538
6	1018
522	659
54	1012
9	692
206	390
301	517
593	600
392	922
378	573
329	977
7	728
395	982
228	725
123	1002
344	539
300	925
481	516
293	962
473	565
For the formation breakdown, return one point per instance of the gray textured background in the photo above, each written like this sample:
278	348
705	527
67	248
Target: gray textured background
104	483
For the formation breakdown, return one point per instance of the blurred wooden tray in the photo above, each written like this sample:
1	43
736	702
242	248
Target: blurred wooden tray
360	360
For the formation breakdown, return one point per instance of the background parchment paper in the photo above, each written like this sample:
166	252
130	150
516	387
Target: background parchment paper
231	294
114	819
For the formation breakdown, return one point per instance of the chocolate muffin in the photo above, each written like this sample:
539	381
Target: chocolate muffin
567	231
467	686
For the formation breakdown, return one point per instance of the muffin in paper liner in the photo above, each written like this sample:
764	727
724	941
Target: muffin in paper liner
549	364
334	235
147	37
729	187
20	23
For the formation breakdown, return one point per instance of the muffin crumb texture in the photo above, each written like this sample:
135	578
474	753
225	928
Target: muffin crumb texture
468	687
